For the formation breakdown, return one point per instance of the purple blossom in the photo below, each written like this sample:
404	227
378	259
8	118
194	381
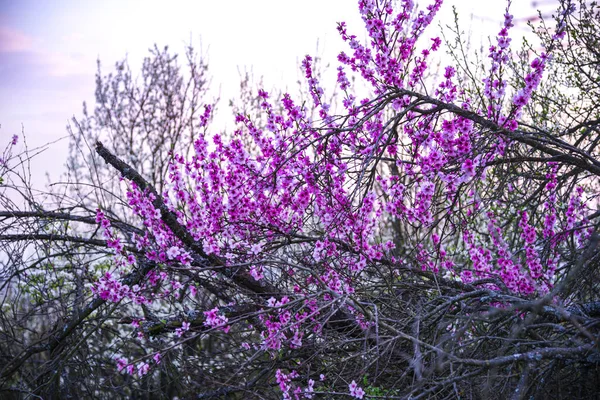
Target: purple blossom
356	391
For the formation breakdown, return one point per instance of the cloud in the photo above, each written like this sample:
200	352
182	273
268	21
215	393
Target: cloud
45	71
14	41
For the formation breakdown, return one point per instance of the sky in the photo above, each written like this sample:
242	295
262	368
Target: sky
49	49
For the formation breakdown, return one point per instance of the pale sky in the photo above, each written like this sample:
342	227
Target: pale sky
48	49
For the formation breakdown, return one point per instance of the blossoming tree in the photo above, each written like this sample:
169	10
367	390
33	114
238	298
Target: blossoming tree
435	239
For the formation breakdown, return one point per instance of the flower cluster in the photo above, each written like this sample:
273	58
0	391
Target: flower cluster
287	387
495	84
109	288
141	369
215	320
356	391
532	80
185	326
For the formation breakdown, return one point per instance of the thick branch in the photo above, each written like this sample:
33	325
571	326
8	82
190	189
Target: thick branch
530	356
169	218
58	238
593	166
63	216
52	237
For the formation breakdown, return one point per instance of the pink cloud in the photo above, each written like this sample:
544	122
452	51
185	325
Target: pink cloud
13	41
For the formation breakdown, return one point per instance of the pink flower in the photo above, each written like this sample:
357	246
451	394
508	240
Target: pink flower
468	169
256	272
214	320
309	389
256	248
185	326
173	252
356	391
143	368
121	363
